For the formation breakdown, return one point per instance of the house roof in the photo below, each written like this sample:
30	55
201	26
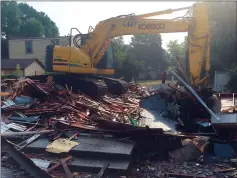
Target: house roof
12	63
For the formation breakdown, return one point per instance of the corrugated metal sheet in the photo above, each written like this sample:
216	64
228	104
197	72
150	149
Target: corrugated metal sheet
8	103
4	128
17	127
221	79
43	164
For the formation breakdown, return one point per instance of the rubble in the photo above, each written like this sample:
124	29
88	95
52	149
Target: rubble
60	133
185	169
32	102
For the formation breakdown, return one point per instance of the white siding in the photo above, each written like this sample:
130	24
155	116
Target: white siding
17	48
34	69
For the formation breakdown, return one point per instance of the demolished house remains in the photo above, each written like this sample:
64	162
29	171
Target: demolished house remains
52	131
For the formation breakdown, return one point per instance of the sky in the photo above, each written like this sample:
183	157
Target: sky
84	14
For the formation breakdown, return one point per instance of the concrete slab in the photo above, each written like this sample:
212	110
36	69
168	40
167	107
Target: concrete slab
90	146
94	165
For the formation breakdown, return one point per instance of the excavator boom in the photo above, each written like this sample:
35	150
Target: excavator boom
168	11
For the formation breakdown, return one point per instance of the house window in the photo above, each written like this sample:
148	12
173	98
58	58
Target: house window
28	46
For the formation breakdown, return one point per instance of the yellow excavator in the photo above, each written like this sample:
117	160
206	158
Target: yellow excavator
88	60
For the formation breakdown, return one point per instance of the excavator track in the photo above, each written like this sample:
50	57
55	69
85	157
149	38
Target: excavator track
115	86
90	85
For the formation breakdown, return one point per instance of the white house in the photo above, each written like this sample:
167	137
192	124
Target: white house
32	48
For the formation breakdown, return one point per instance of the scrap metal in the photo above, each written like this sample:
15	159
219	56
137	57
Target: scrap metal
4	128
43	164
5	119
28	141
24	161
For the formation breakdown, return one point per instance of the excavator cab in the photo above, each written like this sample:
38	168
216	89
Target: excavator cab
106	62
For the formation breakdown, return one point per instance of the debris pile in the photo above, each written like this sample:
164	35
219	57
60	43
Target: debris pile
56	127
33	102
198	157
44	117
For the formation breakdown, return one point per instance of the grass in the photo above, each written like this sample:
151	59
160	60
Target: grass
149	82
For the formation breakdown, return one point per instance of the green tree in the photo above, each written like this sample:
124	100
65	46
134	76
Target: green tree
147	53
10	18
222	17
32	28
176	49
120	56
119	49
22	20
49	27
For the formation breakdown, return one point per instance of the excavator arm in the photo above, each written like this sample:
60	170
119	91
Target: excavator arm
86	58
196	26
